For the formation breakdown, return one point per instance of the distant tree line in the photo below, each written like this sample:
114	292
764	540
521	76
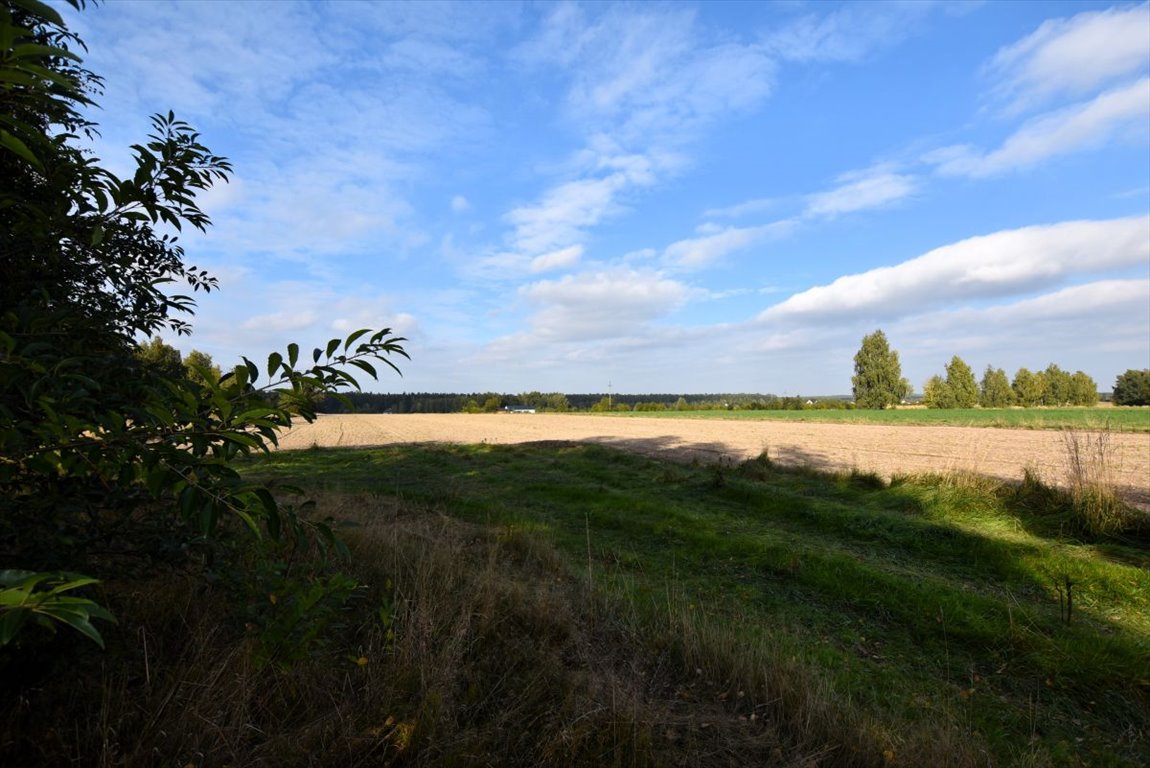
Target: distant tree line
1050	387
557	402
878	383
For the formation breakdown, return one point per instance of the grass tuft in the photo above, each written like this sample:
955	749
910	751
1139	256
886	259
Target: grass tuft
1098	509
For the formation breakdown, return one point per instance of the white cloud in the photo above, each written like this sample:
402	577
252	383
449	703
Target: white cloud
1072	305
459	204
1073	56
636	77
758	205
873	187
1099	327
425	57
304	214
647	74
603	304
564	213
1075	128
252	315
279	322
1001	264
860	190
699	252
557	259
849	33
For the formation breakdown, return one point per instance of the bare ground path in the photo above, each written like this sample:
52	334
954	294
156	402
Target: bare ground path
886	450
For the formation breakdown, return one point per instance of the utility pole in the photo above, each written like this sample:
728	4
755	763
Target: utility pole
608	395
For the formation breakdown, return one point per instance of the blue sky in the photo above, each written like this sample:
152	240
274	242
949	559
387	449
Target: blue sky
682	197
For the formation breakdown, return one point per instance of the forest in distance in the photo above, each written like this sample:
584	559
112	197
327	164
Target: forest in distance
448	402
491	402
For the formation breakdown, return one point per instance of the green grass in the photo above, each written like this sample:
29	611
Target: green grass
1116	419
928	603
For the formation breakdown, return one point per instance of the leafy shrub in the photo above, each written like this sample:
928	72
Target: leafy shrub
109	464
1133	388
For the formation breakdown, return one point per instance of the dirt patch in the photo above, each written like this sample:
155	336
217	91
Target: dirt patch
885	450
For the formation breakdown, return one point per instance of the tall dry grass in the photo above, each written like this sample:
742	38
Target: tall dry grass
1098	508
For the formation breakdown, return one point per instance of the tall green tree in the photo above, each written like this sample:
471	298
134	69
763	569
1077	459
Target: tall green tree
1057	391
937	393
161	358
557	401
995	390
100	453
960	381
1132	387
201	368
1029	387
878	381
1083	390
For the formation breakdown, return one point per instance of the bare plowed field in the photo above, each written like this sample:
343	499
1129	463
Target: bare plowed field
888	451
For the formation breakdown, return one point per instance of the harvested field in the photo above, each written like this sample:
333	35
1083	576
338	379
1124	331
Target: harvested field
885	450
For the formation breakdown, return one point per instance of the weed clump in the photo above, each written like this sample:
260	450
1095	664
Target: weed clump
1098	510
759	468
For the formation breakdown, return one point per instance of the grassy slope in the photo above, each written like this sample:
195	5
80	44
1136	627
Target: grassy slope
1113	418
929	606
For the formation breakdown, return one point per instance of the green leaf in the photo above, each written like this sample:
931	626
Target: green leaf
13	576
75	583
332	346
20	149
242	439
36	8
78	619
10	624
253	372
275	359
271	511
352	338
249	521
293	354
188	499
367	367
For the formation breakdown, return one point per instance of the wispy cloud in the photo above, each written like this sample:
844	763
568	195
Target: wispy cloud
876	187
640	78
1033	332
251	313
600	304
1001	264
747	208
645	73
325	136
564	257
849	33
562	217
1072	56
558	152
699	252
861	190
1076	128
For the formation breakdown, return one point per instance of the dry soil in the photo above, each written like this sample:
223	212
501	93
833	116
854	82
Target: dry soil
886	450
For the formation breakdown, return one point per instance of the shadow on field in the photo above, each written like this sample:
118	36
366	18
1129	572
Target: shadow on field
675	448
672	448
797	456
